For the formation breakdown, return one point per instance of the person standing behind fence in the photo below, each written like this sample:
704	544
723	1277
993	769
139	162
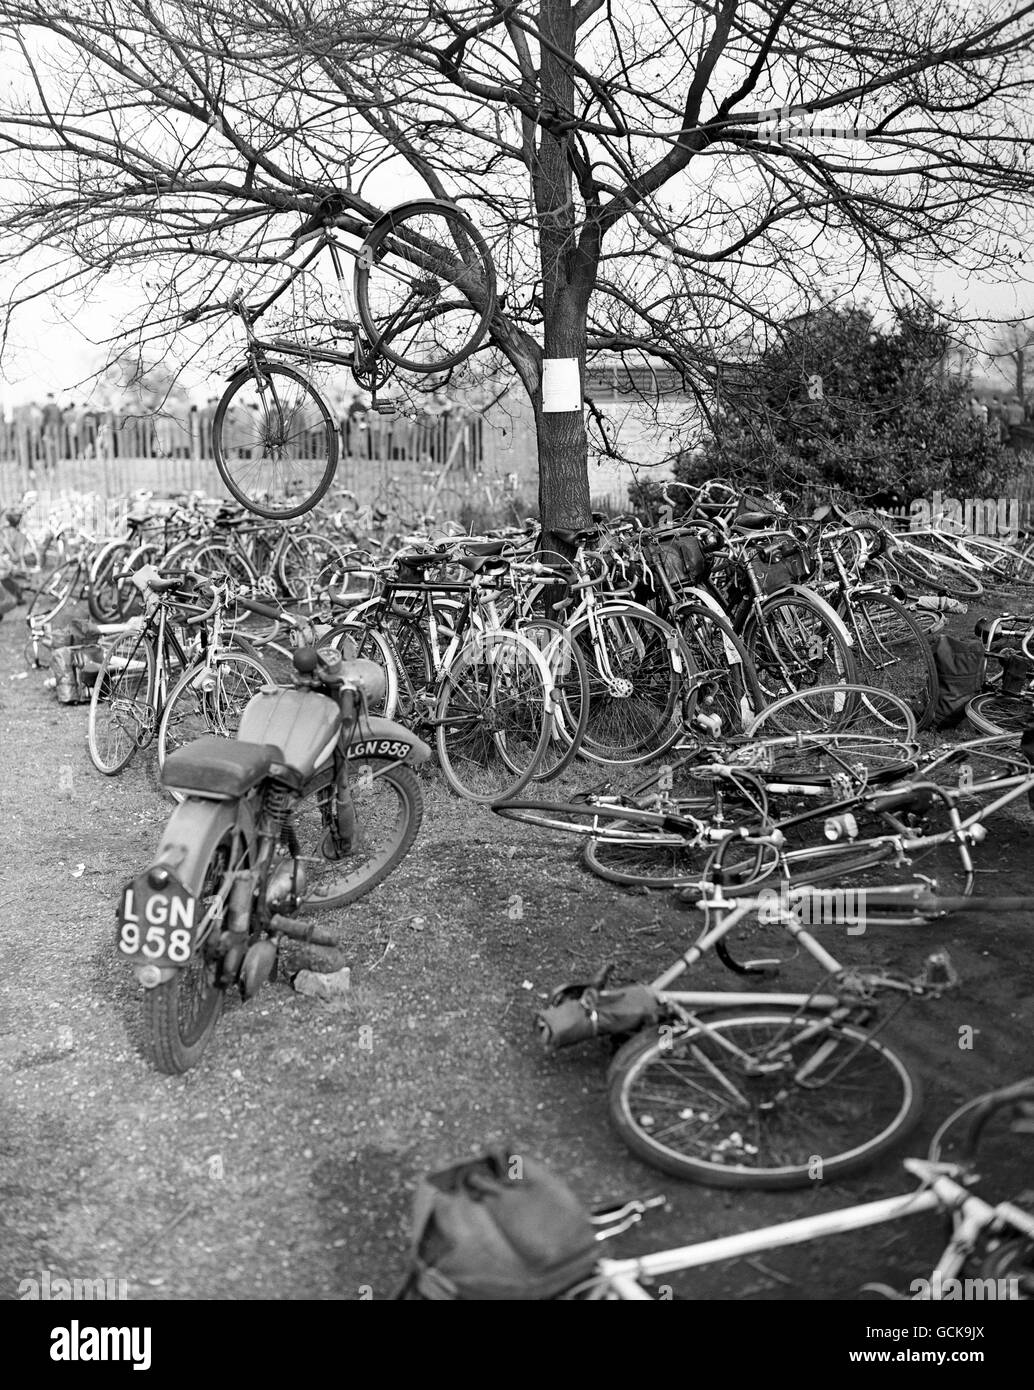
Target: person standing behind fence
52	424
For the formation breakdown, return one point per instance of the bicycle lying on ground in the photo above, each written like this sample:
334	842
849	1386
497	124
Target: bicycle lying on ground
991	1241
763	1090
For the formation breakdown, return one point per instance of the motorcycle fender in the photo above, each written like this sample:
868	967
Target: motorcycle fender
383	738
192	833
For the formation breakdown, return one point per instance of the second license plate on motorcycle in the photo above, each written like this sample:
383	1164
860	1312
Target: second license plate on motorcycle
157	924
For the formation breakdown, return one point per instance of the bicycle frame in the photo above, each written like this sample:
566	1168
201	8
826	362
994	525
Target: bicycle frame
940	1191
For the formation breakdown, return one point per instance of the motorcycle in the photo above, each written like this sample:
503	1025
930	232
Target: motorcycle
311	805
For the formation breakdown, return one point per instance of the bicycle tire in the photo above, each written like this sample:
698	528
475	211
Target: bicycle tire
797	645
275	407
632	823
843	708
197	707
419	232
388	809
571	688
891	652
653	1125
991	713
635	716
104	597
935	572
55	593
493	715
733	694
174	1036
370	645
660	863
123	689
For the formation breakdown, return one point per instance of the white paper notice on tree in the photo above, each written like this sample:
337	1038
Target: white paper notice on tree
561	385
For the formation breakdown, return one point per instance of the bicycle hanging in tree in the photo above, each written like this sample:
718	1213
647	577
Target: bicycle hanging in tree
424	289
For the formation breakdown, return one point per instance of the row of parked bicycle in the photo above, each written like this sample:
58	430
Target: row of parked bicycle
612	653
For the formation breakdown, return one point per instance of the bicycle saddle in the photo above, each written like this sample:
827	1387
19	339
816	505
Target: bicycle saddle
474	564
486	547
589	533
754	521
420	559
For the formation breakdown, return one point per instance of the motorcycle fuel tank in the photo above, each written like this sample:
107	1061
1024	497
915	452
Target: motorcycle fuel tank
302	724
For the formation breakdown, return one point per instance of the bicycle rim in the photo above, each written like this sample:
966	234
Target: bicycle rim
891	652
122	714
493	717
636	667
275	444
764	1127
795	648
209	699
425	287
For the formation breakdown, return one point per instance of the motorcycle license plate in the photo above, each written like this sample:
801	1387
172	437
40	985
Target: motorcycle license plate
156	925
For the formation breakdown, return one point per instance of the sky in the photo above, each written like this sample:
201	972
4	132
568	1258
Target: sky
55	354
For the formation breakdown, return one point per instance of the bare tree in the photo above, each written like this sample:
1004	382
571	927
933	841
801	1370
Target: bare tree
660	179
1012	352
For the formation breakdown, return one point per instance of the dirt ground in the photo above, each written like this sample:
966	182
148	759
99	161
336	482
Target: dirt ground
282	1166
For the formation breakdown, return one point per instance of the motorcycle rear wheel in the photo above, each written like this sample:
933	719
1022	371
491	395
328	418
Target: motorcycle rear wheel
180	1015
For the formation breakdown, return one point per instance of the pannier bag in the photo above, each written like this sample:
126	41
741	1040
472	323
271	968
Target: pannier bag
789	564
74	670
960	663
685	561
75	660
497	1227
577	1012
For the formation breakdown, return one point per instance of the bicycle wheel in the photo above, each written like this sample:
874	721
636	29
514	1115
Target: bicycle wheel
310	564
722	802
122	713
356	639
180	1014
209	698
934	572
425	287
637	669
493	713
1001	714
891	652
54	594
274	441
797	645
761	1098
728	686
411	653
105	595
345	856
861	709
571	690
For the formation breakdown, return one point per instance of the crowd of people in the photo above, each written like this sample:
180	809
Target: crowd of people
1002	415
39	437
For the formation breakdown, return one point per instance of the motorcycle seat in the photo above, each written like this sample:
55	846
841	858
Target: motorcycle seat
218	767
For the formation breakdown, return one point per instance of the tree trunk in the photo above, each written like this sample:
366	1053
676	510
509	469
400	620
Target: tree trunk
568	278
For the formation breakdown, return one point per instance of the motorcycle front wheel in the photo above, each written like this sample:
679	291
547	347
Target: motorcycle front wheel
180	1015
387	808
